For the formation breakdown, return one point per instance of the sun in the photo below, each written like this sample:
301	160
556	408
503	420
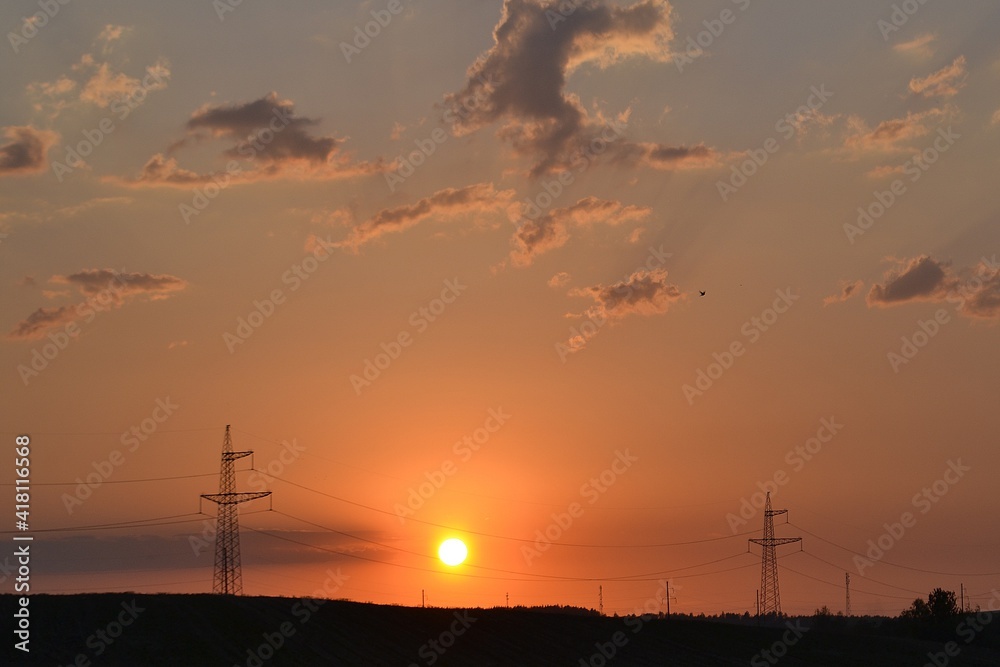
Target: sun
452	551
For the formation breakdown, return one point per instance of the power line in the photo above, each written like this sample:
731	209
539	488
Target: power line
904	567
623	578
504	537
478	495
123	481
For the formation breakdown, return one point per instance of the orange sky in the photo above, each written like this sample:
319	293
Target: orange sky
452	270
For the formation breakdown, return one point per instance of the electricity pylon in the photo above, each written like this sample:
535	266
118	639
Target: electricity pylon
770	602
228	578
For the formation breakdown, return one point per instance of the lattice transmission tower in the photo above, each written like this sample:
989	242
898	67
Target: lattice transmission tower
770	602
228	578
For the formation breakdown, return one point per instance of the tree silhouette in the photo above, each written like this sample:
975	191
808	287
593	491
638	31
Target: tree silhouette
941	605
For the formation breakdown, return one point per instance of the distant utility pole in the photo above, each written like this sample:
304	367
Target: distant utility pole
600	598
668	597
769	561
228	578
847	579
423	598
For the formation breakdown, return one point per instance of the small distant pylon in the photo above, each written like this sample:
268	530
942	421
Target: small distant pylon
847	606
228	578
770	602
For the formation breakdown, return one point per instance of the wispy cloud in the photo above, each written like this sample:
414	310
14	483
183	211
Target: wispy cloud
450	202
945	82
551	230
104	289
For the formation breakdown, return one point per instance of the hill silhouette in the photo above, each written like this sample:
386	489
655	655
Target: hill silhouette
219	631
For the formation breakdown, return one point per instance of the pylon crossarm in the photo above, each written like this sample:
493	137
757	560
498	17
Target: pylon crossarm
233	498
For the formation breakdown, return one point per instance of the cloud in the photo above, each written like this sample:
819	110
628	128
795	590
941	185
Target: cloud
471	199
946	82
560	279
847	290
105	86
642	293
888	135
919	46
110	34
524	74
974	291
996	118
980	294
265	132
94	81
551	230
25	150
104	289
37	323
918	279
69	211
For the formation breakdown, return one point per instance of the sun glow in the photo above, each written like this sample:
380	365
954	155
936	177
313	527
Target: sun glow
452	551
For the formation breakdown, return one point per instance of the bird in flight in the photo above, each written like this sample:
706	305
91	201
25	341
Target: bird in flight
701	292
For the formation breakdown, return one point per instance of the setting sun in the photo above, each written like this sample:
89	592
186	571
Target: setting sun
452	551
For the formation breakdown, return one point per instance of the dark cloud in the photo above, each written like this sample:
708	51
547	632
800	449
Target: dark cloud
538	43
267	140
921	278
975	291
266	128
24	152
847	290
104	289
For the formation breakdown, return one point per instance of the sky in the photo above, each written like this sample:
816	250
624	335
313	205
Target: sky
574	282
